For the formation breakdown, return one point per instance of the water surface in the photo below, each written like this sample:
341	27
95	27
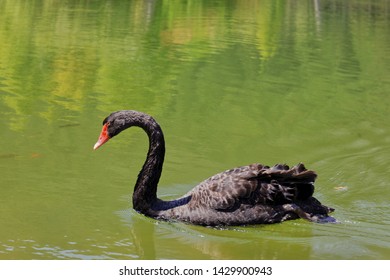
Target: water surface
231	83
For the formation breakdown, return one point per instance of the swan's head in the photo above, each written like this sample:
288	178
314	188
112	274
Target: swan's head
120	120
114	124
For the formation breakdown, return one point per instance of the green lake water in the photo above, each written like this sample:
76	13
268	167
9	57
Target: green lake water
231	83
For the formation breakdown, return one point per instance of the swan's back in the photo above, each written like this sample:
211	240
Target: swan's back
251	194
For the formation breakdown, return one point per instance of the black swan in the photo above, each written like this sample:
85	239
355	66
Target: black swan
252	194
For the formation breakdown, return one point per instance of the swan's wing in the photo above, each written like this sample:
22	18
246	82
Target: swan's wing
254	184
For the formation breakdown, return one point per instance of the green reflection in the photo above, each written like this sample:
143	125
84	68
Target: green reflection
231	82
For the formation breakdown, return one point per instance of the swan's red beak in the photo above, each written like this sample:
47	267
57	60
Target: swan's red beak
103	138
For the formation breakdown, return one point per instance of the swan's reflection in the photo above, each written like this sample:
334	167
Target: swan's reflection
167	240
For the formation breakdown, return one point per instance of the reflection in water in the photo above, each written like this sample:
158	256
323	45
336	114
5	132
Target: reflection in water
317	12
231	82
142	231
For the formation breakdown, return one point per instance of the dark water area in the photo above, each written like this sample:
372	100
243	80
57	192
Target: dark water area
231	83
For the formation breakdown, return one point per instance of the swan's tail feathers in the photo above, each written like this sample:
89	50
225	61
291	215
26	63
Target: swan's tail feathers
287	184
297	173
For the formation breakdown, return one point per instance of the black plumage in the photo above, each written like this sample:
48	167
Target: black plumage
252	194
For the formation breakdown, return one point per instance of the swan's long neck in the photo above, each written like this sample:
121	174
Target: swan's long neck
145	190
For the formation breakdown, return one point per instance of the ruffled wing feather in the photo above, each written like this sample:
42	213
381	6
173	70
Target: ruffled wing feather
254	184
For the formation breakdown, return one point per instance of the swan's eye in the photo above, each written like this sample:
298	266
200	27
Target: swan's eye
105	121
